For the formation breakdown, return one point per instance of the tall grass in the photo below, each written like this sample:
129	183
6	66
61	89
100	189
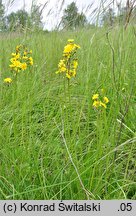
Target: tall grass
53	148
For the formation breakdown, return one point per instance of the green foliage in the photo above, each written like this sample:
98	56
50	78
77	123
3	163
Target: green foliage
21	19
2	19
108	17
35	17
37	119
124	13
72	18
18	20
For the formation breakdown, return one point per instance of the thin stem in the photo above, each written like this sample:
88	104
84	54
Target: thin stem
88	193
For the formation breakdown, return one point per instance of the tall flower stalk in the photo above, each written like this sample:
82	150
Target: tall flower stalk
69	62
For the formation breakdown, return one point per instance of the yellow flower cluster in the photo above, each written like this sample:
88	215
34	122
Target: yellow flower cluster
97	102
69	63
21	59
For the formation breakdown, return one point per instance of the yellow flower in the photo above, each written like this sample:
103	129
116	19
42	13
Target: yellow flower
12	60
17	56
68	75
13	54
103	104
31	62
30	58
25	57
96	103
11	66
106	100
68	48
8	80
23	66
62	66
74	72
25	53
75	64
95	96
70	40
15	64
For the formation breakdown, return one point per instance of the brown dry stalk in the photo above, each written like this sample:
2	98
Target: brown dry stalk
130	7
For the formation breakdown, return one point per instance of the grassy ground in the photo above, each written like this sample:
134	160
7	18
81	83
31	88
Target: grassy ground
53	143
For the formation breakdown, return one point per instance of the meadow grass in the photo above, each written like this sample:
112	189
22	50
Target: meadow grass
53	143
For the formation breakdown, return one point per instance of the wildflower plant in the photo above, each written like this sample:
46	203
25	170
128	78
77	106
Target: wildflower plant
21	59
69	62
100	100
